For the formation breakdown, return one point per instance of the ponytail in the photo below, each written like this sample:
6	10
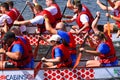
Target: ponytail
64	42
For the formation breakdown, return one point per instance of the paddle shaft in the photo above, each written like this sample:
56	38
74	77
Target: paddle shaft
21	12
64	10
80	54
38	66
36	48
40	63
108	23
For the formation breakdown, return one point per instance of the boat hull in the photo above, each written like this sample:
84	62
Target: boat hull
17	75
79	73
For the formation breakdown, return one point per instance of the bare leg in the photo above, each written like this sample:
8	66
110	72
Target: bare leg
55	66
2	64
47	64
118	33
92	63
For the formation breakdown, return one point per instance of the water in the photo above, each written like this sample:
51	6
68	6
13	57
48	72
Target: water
91	4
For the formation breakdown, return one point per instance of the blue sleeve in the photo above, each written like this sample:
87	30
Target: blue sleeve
18	48
58	53
103	48
21	37
64	35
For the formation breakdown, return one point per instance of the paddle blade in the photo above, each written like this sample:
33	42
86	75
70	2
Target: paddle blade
36	69
36	49
77	60
108	28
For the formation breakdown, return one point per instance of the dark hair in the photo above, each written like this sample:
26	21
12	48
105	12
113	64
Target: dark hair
76	2
38	7
8	35
78	5
101	35
5	5
10	3
54	1
64	42
100	28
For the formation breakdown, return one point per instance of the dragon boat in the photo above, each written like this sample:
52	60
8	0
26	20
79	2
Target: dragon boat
79	73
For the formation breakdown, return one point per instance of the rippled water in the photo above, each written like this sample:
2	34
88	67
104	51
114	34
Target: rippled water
90	3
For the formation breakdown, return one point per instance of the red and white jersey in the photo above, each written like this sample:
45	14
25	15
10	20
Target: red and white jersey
5	17
37	20
55	11
17	14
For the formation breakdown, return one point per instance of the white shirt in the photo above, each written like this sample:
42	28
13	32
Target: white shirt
5	17
52	9
84	18
37	20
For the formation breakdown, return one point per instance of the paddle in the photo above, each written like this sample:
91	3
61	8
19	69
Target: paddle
80	54
108	23
22	11
37	67
64	10
36	48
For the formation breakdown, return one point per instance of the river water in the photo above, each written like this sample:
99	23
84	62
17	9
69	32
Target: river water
91	4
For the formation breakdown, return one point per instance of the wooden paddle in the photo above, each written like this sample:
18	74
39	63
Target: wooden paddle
38	66
108	23
36	48
80	54
64	10
22	11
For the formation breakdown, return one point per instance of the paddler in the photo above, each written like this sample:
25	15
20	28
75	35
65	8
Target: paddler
38	19
60	54
115	8
17	52
104	48
83	16
67	36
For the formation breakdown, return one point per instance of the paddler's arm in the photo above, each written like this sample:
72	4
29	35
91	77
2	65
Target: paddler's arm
30	5
111	3
22	22
70	5
48	26
96	53
57	59
102	6
69	20
113	17
85	26
95	22
12	55
5	28
34	21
